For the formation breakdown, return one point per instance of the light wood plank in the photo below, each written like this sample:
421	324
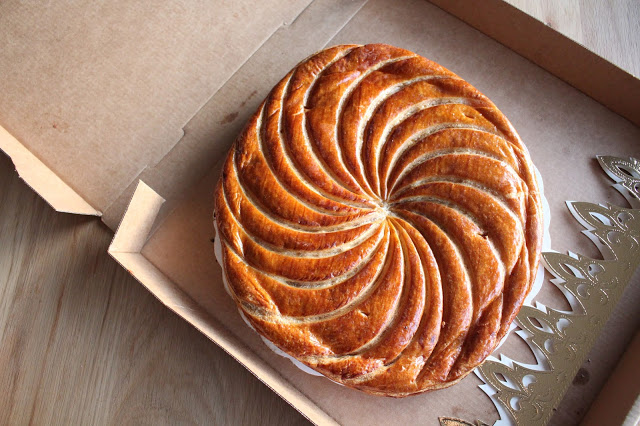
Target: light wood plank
81	342
609	28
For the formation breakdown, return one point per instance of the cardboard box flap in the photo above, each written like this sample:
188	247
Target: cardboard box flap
619	400
100	92
42	179
593	75
213	129
125	248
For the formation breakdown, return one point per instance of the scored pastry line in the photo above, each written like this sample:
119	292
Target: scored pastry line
393	309
365	292
448	204
339	56
311	148
298	175
457	151
339	109
324	359
424	133
373	106
312	285
293	168
391	125
396	314
463	212
461	258
449	151
371	218
402	223
323	253
496	196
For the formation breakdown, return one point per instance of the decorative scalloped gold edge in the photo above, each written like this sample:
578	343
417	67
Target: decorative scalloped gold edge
527	394
452	421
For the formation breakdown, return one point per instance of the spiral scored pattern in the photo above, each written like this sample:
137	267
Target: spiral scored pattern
379	220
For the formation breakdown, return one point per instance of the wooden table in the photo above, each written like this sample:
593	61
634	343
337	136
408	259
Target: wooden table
81	342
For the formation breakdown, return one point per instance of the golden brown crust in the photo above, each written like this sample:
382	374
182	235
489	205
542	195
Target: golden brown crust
379	220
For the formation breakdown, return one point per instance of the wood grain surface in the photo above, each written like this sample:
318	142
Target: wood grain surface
81	342
609	28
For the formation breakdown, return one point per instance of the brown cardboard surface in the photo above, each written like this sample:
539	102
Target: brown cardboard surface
208	135
557	122
99	92
620	393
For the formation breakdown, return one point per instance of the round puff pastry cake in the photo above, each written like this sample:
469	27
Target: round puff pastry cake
379	220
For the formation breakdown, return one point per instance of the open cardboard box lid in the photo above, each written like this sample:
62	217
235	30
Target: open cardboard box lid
98	98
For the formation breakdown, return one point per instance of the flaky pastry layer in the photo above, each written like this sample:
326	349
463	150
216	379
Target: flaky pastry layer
379	220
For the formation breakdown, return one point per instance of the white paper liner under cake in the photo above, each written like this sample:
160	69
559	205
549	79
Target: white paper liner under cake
535	288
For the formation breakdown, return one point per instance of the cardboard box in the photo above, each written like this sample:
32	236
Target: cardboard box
111	106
